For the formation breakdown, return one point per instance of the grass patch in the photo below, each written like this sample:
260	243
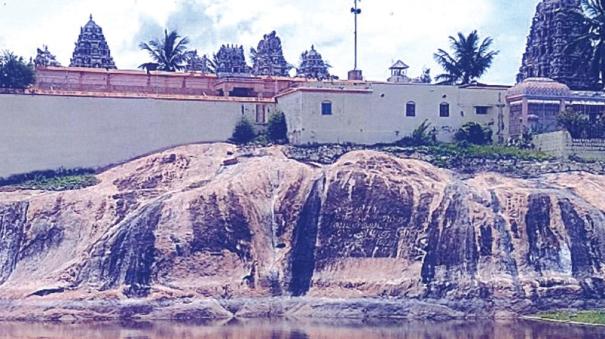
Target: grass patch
493	152
72	182
52	180
585	317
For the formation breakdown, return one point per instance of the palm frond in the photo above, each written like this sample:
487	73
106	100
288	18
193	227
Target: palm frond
468	60
169	53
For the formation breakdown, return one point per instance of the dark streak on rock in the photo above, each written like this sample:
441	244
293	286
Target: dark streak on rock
12	220
47	291
304	240
127	255
505	244
451	239
430	261
215	231
582	260
485	240
544	246
43	240
360	220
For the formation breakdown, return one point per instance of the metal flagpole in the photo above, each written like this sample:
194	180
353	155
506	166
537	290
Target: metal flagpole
356	11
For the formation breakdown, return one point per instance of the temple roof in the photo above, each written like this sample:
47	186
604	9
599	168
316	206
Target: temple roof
399	65
91	23
541	87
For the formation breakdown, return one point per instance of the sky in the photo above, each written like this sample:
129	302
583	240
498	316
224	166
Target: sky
410	30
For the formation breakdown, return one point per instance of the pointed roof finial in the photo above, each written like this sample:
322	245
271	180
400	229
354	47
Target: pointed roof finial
91	17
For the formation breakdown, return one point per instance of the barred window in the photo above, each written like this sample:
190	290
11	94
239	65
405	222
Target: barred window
410	109
444	110
326	108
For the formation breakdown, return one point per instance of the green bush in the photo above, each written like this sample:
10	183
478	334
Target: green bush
473	133
277	129
67	183
580	126
14	72
423	135
243	132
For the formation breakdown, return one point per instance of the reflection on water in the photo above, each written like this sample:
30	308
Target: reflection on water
302	329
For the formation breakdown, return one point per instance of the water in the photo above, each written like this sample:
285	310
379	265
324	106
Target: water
303	329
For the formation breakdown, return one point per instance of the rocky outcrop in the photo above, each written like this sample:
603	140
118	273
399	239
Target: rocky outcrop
186	234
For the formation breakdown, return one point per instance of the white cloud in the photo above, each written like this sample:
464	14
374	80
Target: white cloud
410	30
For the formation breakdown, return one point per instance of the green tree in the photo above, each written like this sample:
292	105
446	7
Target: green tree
168	54
591	15
277	129
243	132
425	78
14	72
581	126
474	133
470	59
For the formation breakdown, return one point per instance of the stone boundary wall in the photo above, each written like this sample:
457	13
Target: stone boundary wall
76	79
560	144
39	132
554	143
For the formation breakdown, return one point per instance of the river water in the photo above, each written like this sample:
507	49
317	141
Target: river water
303	329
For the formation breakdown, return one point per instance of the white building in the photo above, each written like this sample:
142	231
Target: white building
381	112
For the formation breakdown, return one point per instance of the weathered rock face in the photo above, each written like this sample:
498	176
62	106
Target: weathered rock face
182	234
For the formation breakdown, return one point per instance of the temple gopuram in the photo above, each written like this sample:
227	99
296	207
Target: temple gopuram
548	54
91	49
313	66
45	58
230	59
195	63
268	57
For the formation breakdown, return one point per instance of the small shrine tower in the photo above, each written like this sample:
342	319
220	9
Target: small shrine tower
399	72
313	66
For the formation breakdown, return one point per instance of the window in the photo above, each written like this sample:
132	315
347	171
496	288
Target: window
260	114
326	108
481	110
410	109
444	110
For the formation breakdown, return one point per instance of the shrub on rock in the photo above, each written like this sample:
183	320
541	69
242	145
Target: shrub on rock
243	132
277	130
473	133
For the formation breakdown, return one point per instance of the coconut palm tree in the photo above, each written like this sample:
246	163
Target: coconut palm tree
168	54
470	60
591	14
